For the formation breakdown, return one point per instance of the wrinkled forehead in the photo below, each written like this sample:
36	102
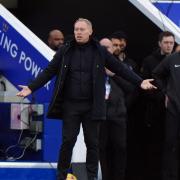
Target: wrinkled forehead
118	40
167	38
83	24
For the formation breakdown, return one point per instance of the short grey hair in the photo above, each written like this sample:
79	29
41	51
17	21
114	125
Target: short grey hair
88	22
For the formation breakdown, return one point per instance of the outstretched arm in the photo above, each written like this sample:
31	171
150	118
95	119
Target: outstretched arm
47	74
121	70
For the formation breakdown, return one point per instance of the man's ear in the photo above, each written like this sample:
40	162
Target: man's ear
159	43
90	32
49	41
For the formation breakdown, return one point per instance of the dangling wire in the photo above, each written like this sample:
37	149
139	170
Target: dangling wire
3	86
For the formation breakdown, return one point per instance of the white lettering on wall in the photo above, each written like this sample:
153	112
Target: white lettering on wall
7	44
30	65
26	61
47	85
2	37
35	69
22	57
13	50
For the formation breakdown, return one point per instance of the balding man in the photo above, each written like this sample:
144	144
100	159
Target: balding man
79	92
113	131
55	39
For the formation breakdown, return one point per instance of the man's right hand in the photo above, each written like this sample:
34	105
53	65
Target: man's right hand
109	73
166	100
24	92
147	85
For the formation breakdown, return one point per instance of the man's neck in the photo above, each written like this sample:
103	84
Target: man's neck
122	56
165	54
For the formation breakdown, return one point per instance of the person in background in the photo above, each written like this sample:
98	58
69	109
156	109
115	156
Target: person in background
79	91
112	140
169	72
177	48
120	40
131	97
55	39
154	109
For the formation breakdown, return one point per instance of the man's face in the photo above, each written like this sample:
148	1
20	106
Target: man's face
82	32
119	45
56	40
166	45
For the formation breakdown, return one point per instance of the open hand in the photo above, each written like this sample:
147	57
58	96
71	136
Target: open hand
24	92
109	73
147	85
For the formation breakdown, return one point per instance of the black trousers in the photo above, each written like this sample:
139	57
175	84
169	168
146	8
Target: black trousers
74	114
113	144
171	160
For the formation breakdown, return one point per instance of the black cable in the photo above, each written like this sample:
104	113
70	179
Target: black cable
3	85
26	146
13	158
18	144
14	145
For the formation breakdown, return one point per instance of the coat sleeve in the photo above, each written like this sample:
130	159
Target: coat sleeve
48	73
121	70
161	72
145	69
125	85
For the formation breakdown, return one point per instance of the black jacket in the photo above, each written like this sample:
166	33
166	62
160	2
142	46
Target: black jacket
150	62
59	67
130	90
116	105
153	105
169	70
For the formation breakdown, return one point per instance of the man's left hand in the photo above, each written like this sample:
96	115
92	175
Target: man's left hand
147	85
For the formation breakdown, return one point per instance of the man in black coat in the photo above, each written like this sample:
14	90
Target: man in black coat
169	71
154	109
119	40
113	131
79	92
131	93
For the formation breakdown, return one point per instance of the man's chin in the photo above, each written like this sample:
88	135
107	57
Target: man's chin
167	52
80	42
117	53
